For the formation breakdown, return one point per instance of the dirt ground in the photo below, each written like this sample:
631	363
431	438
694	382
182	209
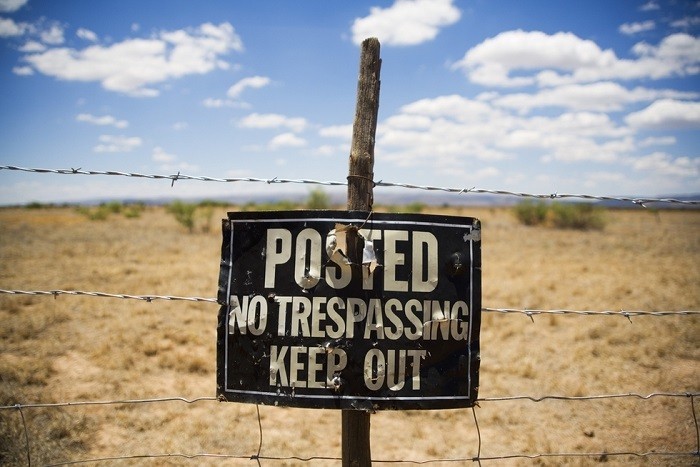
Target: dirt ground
69	348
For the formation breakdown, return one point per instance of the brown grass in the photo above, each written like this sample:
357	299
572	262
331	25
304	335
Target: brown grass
83	348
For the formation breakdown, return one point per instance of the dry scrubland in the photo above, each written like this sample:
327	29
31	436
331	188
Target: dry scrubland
83	348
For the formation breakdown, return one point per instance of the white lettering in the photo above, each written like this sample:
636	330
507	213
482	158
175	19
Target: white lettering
275	255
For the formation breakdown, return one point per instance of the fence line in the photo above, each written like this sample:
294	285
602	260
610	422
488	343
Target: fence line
173	178
527	312
478	458
195	400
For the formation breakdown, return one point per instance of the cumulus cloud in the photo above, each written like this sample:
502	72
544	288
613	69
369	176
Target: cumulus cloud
604	96
23	71
9	6
32	46
253	82
8	28
86	34
169	162
444	132
159	155
686	22
667	114
256	120
525	58
53	35
631	29
651	5
286	140
134	65
337	131
214	103
665	164
406	22
112	143
102	121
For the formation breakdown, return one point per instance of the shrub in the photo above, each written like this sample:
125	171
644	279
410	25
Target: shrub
579	216
99	213
184	213
133	211
113	207
318	199
531	213
414	208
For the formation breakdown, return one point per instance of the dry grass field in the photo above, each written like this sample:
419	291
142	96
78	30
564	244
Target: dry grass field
99	349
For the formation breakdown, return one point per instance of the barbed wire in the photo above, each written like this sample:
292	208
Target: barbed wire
40	405
147	298
195	456
599	455
276	180
527	312
477	458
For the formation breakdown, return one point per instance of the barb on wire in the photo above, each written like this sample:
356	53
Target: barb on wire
526	312
147	298
193	456
599	455
480	400
588	398
637	201
110	402
623	313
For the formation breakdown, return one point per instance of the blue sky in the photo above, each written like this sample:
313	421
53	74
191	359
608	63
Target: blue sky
594	97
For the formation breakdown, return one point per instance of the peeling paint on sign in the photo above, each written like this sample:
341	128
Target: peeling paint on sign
300	325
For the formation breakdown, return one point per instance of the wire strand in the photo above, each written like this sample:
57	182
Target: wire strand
79	171
527	312
480	400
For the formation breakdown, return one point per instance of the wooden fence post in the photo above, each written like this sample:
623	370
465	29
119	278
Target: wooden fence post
355	423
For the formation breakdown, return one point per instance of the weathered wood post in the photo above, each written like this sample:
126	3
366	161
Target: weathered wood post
355	423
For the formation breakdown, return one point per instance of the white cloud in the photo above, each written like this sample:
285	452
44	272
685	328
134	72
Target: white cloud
53	35
651	5
337	131
286	140
10	6
32	46
254	82
159	155
102	121
686	22
631	29
665	164
180	126
8	28
86	34
131	66
406	22
521	58
213	103
112	143
658	141
667	114
23	70
169	162
255	120
604	96
444	132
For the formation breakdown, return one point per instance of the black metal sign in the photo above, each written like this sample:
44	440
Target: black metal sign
349	310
